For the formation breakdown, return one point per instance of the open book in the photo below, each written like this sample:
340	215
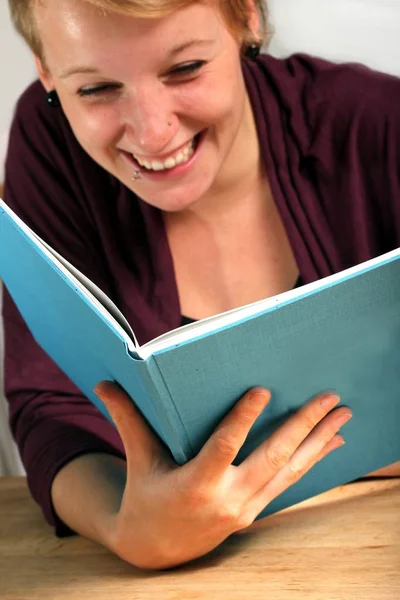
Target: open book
341	333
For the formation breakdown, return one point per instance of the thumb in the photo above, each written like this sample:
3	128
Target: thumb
140	443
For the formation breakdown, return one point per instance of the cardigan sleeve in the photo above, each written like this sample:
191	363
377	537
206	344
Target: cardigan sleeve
52	422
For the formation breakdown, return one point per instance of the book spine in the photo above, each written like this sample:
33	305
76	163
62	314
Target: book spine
150	393
184	449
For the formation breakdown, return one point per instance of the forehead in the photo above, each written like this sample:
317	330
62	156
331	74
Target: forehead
80	30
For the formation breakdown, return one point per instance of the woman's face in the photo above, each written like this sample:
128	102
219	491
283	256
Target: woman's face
164	97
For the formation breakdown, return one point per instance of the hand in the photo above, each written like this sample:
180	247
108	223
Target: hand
170	514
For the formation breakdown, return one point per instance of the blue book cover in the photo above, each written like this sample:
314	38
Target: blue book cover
341	333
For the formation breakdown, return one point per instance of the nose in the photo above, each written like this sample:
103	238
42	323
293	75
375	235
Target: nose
149	121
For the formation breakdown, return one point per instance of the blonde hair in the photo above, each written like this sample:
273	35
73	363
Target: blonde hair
235	12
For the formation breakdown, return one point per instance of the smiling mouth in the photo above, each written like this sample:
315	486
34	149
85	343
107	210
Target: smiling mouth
180	157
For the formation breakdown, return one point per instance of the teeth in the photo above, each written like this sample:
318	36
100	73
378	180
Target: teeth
171	162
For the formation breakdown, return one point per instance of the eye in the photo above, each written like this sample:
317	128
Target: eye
186	70
97	90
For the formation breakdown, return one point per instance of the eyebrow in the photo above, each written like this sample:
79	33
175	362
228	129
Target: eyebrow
173	52
75	70
196	42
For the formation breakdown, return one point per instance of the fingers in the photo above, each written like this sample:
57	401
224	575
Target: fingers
336	442
223	446
307	455
140	443
276	452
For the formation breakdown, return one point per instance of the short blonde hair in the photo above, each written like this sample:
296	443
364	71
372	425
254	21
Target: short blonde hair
235	12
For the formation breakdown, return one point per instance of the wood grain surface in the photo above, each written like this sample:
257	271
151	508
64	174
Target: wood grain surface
344	544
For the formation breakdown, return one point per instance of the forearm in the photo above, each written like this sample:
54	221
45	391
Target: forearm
87	494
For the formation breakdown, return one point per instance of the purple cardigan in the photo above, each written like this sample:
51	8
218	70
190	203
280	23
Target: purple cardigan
330	142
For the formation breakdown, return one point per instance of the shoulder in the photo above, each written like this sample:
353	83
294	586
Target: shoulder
350	90
32	101
44	154
336	129
321	78
330	95
34	118
39	131
50	181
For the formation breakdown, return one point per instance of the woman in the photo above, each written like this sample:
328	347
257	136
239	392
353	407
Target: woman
185	180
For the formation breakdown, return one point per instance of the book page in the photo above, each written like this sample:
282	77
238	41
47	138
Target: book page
92	288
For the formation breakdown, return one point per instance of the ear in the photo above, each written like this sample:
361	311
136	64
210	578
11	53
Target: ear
44	75
254	19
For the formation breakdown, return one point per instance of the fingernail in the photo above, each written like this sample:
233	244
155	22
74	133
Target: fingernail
338	441
259	397
341	419
329	401
103	388
99	390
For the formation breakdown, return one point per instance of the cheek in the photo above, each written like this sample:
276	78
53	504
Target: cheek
215	99
95	128
210	108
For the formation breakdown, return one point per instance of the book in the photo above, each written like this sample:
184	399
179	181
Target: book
341	333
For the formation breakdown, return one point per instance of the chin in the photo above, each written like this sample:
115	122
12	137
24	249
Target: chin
172	203
175	199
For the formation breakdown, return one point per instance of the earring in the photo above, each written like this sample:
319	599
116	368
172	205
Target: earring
53	100
252	51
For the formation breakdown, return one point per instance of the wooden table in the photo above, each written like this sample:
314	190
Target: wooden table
344	544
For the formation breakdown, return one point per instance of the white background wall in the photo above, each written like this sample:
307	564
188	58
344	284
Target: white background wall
365	31
16	71
345	30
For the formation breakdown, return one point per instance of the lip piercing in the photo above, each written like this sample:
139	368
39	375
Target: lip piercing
136	175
